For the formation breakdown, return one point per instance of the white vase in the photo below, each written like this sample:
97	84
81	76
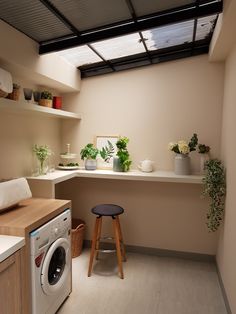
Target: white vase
182	164
90	164
203	158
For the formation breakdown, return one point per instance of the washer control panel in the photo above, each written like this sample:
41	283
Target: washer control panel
49	232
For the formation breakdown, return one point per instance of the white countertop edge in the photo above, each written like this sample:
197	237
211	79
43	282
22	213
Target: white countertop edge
155	176
9	245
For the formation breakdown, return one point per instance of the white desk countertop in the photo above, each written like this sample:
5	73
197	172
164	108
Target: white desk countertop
9	245
158	176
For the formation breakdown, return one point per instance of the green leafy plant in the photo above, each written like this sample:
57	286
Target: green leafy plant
215	187
42	153
182	147
46	95
89	152
123	154
107	152
203	149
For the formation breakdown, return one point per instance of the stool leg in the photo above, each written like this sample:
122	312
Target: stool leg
118	250
94	241
98	237
121	240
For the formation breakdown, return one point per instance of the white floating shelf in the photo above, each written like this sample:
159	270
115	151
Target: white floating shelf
134	175
23	107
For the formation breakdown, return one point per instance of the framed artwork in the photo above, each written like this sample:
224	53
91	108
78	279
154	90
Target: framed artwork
107	147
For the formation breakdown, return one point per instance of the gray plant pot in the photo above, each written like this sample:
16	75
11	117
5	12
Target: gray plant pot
182	164
116	164
90	164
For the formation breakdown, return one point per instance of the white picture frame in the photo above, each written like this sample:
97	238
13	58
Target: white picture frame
105	141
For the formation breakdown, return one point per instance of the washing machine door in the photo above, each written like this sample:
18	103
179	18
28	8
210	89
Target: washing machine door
56	266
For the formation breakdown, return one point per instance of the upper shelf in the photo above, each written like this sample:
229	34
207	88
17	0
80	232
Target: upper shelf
12	106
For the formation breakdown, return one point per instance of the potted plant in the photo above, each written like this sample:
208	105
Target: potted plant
182	150
15	94
42	153
46	99
89	153
215	187
203	150
122	161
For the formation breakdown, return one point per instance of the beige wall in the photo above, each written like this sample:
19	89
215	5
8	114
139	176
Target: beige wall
226	256
18	133
21	54
157	215
152	106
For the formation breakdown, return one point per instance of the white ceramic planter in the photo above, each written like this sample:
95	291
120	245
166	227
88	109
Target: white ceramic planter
203	158
90	164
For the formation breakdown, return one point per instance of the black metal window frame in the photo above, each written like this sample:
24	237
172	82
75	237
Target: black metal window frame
198	9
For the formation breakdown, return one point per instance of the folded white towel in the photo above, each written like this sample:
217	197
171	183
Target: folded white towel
13	191
5	81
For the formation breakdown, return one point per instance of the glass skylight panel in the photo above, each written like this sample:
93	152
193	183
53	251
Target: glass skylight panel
205	26
79	56
120	46
168	36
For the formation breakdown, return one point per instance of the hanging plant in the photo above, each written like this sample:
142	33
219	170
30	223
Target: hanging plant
215	187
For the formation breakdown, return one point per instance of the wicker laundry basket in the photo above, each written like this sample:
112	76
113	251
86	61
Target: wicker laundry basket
77	236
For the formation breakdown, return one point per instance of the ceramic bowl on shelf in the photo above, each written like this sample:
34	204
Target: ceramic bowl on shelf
68	167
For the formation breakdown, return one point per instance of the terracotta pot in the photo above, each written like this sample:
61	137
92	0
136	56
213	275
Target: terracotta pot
45	103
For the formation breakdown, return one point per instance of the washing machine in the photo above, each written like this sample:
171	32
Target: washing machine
50	247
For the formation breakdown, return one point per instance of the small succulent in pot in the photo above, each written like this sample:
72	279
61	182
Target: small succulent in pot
46	95
46	99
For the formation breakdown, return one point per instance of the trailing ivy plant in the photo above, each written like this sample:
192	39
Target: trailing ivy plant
215	187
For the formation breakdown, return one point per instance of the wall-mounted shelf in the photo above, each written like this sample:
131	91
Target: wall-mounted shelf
23	107
44	186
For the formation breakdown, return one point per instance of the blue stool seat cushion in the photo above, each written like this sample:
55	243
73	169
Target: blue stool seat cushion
107	210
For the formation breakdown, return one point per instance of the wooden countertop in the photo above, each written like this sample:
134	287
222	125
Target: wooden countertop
30	214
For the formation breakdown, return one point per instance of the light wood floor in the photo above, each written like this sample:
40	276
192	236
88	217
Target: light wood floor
152	285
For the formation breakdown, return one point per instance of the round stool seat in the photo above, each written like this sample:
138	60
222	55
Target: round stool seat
107	210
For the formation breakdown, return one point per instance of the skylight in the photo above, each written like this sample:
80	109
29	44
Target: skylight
204	26
168	36
120	47
78	56
139	48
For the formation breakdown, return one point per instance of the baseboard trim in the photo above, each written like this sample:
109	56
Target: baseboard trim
228	309
159	252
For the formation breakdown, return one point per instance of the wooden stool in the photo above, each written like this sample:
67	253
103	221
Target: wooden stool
112	211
